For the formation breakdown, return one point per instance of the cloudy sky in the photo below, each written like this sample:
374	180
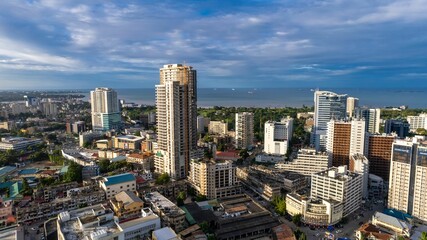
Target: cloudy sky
49	44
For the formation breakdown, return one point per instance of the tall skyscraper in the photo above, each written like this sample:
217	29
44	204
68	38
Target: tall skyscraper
277	136
352	104
372	118
408	178
360	164
327	106
378	151
244	129
345	138
176	102
105	109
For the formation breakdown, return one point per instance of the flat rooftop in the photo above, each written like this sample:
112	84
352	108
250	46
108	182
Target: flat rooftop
118	179
162	203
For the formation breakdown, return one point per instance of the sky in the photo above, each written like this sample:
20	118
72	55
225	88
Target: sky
80	44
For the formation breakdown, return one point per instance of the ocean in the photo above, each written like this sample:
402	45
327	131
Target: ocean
284	97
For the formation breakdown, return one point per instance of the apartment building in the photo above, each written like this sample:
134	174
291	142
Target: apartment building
126	205
307	162
112	185
244	129
218	128
277	136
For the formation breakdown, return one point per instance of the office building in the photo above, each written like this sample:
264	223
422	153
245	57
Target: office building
327	106
112	185
202	123
399	127
214	179
105	110
408	178
345	138
360	164
307	162
99	223
218	128
244	129
31	101
277	136
416	122
372	118
339	184
352	104
50	109
378	151
176	102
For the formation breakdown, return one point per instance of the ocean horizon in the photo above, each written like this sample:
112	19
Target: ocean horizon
281	97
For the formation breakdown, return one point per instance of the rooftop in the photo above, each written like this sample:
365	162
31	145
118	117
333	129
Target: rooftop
131	138
6	169
28	171
165	233
118	179
340	173
127	197
389	220
160	202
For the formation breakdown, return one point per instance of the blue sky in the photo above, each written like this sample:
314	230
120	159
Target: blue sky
49	44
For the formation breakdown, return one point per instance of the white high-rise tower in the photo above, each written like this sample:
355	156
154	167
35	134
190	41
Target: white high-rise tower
105	109
176	102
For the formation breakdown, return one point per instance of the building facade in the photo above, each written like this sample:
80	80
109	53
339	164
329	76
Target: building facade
360	164
214	179
340	185
352	104
218	128
307	162
244	129
105	109
277	136
372	118
378	151
176	102
112	185
327	106
399	127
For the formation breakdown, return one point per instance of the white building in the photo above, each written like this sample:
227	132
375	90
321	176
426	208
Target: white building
176	102
307	162
244	129
327	106
277	136
18	143
360	164
372	118
357	138
416	122
352	104
165	233
117	183
105	109
408	178
99	223
340	185
218	127
50	109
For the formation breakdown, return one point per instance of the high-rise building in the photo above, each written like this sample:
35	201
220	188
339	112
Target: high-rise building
277	136
400	127
408	178
176	102
340	185
372	118
360	164
352	104
327	106
378	151
200	124
105	109
50	109
244	129
416	122
345	138
214	179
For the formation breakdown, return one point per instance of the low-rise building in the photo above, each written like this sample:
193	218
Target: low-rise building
165	233
127	142
391	224
218	127
99	223
117	183
143	161
307	162
126	205
18	143
370	231
283	232
6	211
318	212
171	215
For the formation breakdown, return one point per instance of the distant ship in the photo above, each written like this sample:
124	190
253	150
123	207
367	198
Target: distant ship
233	89
250	92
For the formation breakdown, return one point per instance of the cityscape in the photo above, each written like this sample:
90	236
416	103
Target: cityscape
213	120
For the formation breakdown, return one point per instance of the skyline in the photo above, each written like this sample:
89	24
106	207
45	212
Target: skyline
326	44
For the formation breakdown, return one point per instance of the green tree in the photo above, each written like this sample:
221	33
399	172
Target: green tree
243	154
279	204
423	236
26	189
296	219
163	179
74	173
180	198
103	165
302	237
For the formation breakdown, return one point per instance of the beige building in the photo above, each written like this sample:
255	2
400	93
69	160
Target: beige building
171	215
176	103
307	162
8	125
314	211
218	128
130	142
214	179
117	183
144	161
244	129
340	185
126	205
352	104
